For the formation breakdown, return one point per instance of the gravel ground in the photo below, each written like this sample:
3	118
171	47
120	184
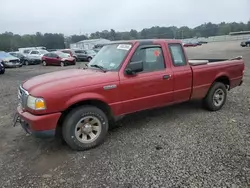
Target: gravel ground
177	146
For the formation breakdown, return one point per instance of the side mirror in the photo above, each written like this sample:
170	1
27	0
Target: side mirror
134	67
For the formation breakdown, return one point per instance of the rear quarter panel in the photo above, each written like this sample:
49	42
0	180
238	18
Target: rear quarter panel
205	75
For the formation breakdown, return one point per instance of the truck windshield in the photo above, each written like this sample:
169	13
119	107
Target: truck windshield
110	56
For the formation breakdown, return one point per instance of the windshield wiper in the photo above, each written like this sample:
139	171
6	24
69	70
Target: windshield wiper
99	67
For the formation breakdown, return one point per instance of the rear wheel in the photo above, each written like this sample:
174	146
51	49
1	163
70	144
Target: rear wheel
44	63
216	97
89	59
85	127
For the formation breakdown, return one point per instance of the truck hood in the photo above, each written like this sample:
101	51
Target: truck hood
56	82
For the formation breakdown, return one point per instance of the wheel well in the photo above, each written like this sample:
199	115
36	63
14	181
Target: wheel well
97	103
225	80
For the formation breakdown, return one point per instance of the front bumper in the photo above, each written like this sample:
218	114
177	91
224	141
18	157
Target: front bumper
9	65
38	125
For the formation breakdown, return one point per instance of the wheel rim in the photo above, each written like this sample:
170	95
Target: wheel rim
62	64
26	63
218	98
44	63
88	129
90	59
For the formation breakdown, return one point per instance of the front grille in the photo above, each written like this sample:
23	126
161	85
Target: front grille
23	97
14	61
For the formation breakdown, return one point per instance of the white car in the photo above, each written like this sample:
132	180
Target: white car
36	55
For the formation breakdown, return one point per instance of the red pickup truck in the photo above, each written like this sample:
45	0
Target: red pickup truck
124	77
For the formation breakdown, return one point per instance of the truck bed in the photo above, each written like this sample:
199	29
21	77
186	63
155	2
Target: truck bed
206	70
196	62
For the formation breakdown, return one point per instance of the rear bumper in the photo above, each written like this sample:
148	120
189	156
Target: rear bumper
39	126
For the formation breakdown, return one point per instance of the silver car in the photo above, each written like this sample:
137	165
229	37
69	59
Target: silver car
9	60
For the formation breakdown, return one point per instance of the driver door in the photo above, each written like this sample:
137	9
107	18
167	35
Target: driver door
149	88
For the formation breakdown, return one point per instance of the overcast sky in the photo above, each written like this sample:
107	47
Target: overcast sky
86	16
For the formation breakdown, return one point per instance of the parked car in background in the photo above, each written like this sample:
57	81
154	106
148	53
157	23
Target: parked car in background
202	42
70	52
189	44
21	50
52	50
22	57
2	69
57	58
245	43
9	60
85	55
35	56
97	49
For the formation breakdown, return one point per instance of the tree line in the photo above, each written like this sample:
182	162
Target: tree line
11	42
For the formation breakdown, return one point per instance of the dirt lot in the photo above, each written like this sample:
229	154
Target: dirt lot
178	146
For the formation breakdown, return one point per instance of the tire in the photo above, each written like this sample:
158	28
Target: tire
71	126
216	97
44	63
2	72
89	59
26	63
62	64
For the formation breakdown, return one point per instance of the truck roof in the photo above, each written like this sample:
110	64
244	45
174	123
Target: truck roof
146	41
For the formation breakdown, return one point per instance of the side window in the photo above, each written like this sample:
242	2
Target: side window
177	54
47	55
152	58
34	52
79	52
53	55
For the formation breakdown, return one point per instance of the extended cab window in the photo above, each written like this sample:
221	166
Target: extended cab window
152	58
177	54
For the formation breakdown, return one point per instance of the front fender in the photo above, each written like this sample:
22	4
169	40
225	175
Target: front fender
84	97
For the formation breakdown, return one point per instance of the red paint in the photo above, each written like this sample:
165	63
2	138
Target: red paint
58	60
133	93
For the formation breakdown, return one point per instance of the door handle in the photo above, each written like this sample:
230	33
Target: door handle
166	77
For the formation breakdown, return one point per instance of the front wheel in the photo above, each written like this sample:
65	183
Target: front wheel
2	72
44	63
62	64
85	127
26	62
216	97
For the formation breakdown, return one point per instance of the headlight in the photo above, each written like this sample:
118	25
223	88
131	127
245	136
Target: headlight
36	103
